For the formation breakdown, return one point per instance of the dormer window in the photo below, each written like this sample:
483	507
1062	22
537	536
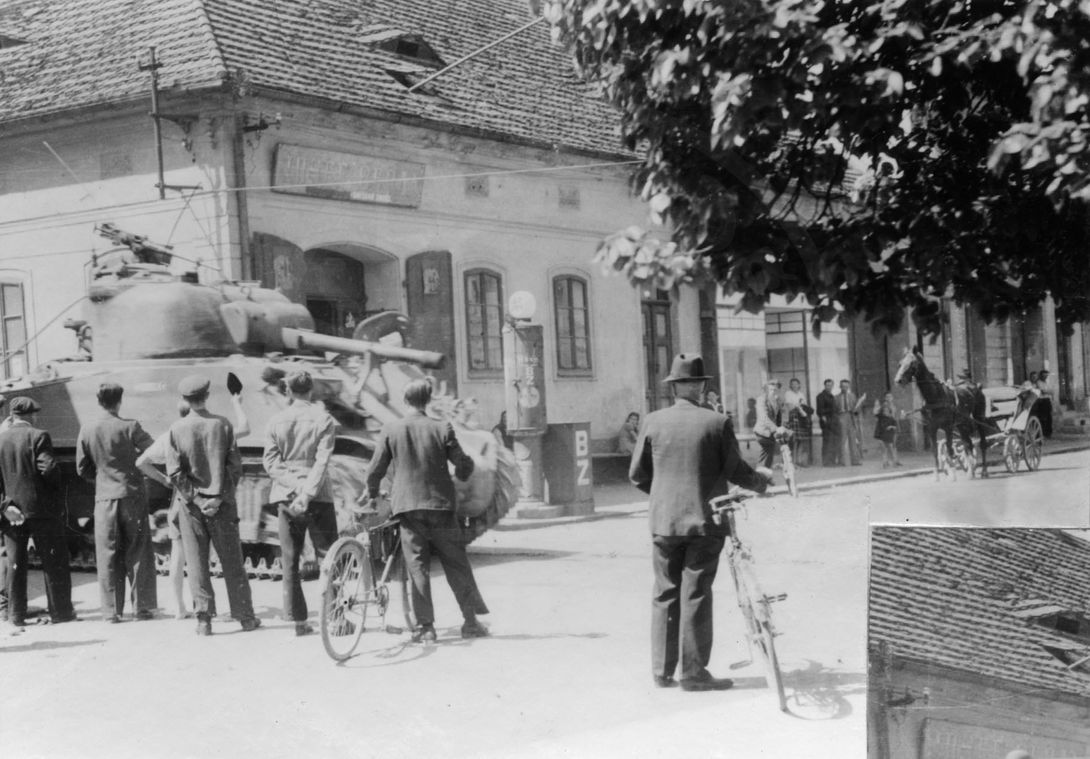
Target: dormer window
7	42
414	47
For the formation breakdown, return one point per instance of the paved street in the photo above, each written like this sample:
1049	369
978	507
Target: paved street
566	672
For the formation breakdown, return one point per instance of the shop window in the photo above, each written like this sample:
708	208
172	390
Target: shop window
484	323
572	325
14	337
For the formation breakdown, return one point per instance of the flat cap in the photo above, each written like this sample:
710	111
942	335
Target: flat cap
193	385
23	406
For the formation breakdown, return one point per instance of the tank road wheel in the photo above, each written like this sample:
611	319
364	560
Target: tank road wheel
348	584
1012	453
1033	440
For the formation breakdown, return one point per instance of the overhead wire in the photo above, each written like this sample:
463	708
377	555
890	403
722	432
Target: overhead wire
134	205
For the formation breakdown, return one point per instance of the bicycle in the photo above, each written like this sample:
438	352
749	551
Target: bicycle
784	441
752	601
351	587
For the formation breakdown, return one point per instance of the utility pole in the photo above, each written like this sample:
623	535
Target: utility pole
153	66
184	121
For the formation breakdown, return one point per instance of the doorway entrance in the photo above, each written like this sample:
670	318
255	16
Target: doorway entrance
658	348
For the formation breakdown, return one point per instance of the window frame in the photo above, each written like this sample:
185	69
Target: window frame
568	277
24	355
490	371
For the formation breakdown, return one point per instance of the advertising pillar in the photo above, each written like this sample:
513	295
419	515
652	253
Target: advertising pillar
524	381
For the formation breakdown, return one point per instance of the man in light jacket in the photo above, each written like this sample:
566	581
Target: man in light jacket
298	443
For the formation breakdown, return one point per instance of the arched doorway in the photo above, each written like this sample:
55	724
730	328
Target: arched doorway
344	283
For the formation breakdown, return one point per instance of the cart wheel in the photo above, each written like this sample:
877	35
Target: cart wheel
1012	453
1033	440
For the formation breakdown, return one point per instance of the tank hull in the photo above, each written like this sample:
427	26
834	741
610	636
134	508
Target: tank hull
67	390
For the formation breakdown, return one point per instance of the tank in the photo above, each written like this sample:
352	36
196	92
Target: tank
146	327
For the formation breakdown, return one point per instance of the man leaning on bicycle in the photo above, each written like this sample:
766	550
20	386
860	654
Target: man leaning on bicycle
684	456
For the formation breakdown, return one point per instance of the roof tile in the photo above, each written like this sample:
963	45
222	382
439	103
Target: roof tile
956	597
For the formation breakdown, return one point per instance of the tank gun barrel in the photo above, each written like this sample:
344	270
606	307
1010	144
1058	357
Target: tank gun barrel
297	339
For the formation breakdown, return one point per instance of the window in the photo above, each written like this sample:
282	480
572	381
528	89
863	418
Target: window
572	325
13	336
484	322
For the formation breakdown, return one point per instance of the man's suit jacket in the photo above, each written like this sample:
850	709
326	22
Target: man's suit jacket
26	466
106	453
419	448
685	456
826	406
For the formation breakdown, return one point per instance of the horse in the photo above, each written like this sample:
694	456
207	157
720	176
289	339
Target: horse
961	407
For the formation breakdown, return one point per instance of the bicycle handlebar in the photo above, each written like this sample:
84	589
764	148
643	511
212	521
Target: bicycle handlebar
733	499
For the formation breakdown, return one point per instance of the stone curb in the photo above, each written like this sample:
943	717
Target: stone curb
615	511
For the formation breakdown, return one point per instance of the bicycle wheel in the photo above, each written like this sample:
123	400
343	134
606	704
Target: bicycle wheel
348	583
766	641
789	472
756	612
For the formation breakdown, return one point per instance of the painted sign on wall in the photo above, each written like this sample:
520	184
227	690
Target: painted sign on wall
346	176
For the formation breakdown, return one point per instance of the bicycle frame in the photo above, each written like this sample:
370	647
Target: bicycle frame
754	604
350	586
784	442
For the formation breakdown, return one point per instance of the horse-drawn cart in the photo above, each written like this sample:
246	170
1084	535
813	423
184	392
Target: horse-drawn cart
1021	433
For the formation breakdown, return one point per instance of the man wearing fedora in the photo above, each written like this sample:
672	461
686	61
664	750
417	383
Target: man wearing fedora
685	455
30	510
205	466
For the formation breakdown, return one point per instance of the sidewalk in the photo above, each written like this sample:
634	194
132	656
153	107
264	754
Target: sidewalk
619	498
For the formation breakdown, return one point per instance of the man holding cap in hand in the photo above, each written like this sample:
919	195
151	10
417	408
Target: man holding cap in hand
204	464
29	510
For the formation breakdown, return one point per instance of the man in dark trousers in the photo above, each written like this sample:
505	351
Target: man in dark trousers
830	426
31	510
298	443
106	453
685	456
419	448
205	466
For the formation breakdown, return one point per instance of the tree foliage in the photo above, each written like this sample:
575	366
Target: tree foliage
868	157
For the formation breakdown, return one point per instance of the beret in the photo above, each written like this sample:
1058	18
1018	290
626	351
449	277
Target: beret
194	384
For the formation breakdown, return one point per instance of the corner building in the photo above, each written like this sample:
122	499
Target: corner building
295	154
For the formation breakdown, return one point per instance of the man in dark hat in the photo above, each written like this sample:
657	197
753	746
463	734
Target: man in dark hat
204	464
106	453
684	457
29	510
298	443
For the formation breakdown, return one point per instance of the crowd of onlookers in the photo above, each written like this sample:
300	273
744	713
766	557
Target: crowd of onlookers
198	459
839	413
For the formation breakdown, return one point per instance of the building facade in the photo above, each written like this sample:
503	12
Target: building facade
979	643
293	152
